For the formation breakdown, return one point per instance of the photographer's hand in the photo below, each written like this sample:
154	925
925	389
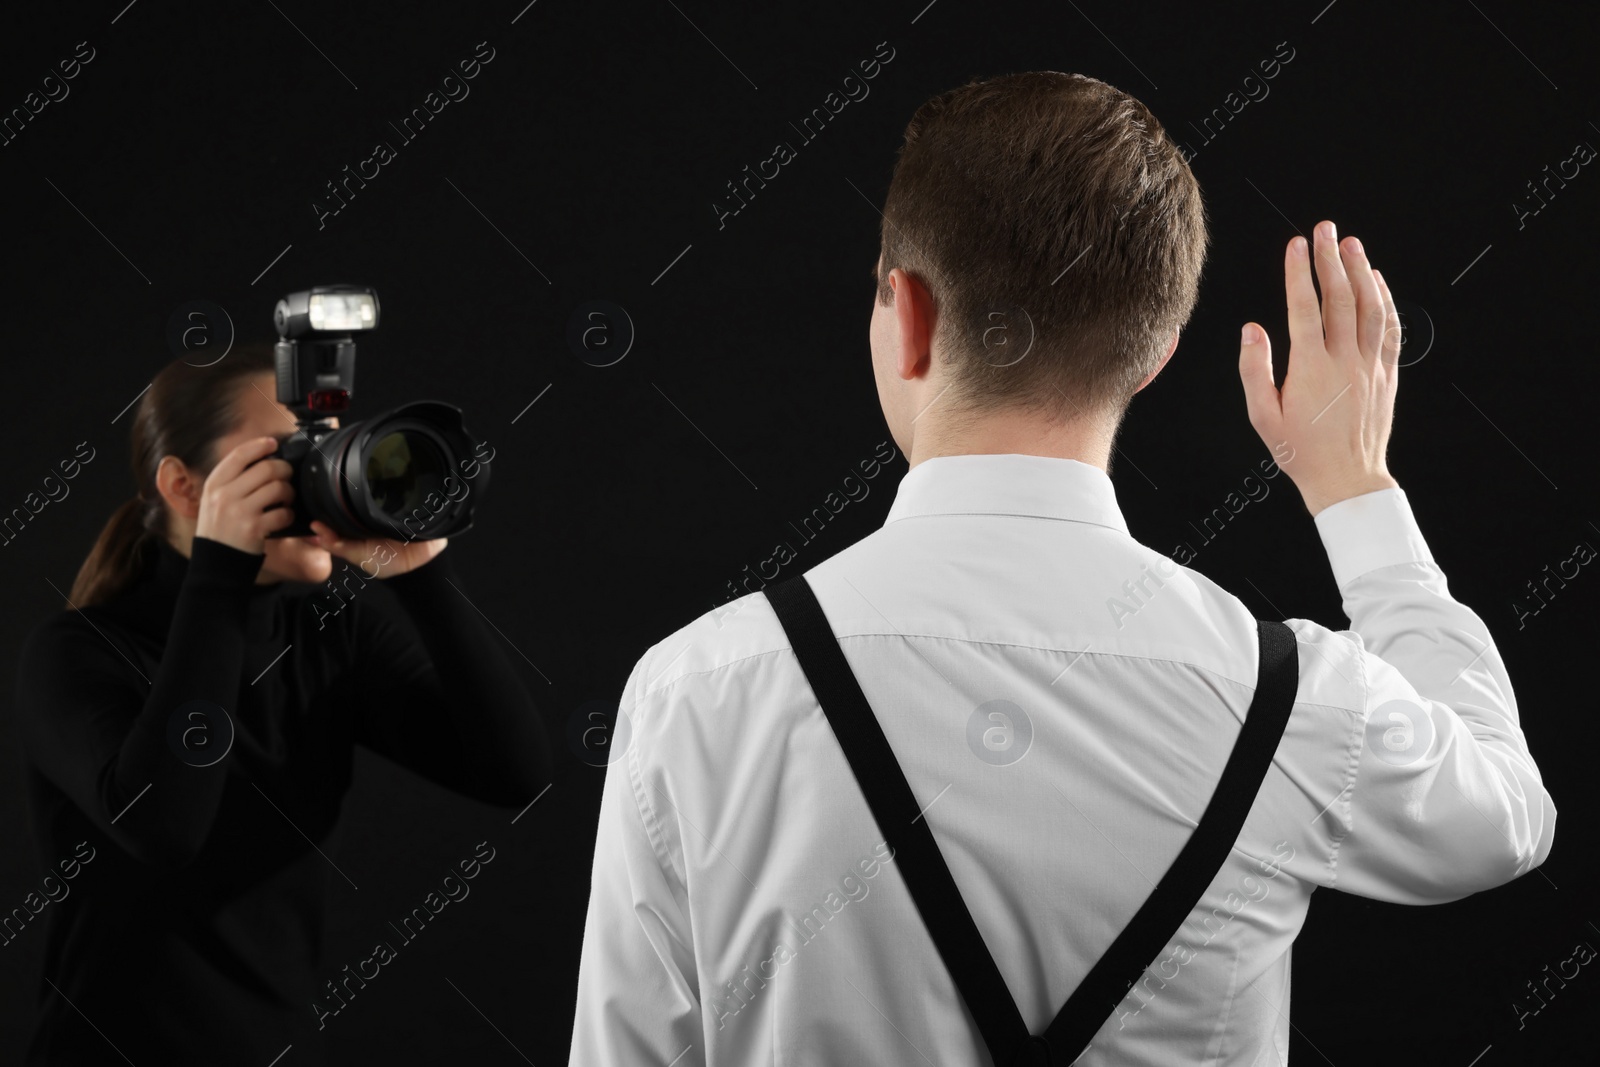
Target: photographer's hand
390	557
239	498
1337	400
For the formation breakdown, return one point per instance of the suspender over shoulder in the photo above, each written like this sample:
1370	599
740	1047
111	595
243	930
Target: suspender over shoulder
934	891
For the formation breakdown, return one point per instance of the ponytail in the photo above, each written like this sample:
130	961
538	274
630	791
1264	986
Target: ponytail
183	413
119	553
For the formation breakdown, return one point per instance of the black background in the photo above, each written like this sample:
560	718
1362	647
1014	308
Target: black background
585	160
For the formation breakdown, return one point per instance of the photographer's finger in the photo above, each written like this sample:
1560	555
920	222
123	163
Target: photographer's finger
1261	397
273	492
241	456
1370	314
276	519
262	472
1338	300
1305	316
326	535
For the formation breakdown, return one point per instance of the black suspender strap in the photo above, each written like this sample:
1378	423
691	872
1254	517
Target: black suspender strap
898	815
1180	889
934	891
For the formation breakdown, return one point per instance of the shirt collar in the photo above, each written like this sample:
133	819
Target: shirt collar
1008	484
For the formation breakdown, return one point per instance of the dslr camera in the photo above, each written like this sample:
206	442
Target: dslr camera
412	474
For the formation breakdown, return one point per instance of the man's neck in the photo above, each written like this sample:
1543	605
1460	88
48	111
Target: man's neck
1087	440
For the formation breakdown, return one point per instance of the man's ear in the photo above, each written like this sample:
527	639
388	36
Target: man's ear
179	487
1148	378
913	311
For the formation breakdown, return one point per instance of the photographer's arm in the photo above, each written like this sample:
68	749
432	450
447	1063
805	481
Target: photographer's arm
451	706
99	731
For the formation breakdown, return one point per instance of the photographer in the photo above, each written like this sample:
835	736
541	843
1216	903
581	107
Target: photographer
193	718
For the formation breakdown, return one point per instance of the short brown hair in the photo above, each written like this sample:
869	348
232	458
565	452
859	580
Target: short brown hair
1056	206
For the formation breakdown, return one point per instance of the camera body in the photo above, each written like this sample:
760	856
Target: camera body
413	473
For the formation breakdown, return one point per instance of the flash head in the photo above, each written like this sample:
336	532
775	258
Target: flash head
326	309
316	354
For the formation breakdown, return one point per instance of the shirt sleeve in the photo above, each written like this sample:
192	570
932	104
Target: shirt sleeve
98	729
441	698
638	994
1444	798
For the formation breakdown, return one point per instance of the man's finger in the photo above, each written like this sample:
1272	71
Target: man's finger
1261	397
1370	312
1305	317
1391	325
1338	299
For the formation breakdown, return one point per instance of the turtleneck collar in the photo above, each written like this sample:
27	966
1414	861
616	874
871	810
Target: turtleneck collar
153	597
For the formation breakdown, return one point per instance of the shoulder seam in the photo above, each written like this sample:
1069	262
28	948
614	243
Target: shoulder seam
663	687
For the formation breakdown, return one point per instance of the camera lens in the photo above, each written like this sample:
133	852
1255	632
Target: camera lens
403	467
413	473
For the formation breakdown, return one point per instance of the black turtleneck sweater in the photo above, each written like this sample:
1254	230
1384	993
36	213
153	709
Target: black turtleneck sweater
186	922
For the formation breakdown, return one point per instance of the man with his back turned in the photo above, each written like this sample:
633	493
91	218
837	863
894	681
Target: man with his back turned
1042	246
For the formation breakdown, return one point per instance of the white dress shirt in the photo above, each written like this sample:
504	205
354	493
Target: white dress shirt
1062	699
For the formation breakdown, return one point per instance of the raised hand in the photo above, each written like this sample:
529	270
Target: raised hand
241	498
1336	404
